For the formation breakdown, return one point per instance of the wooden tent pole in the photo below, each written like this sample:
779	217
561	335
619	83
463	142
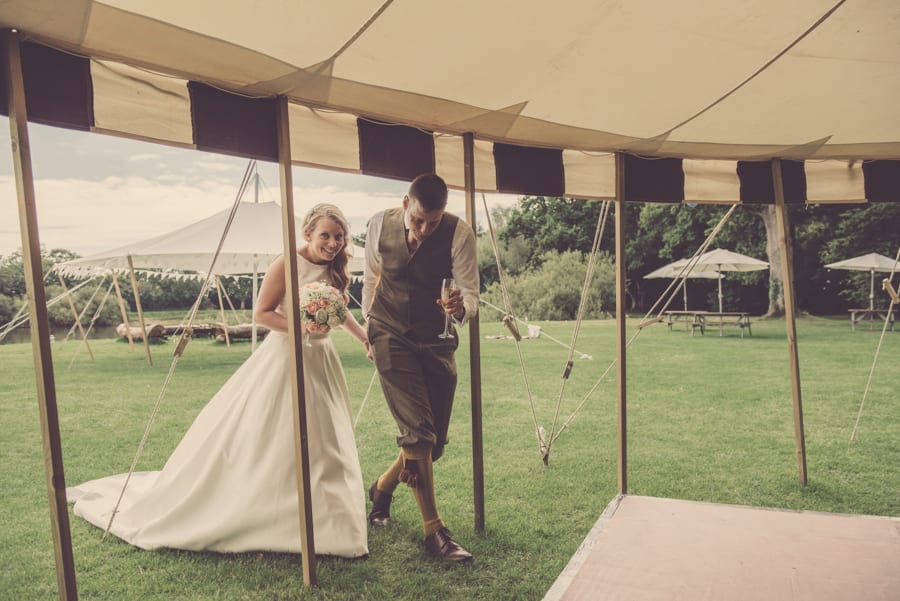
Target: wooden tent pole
222	311
121	301
621	315
474	351
787	268
75	314
140	311
292	310
40	324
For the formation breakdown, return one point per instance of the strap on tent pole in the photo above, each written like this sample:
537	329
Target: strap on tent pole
75	314
140	311
787	267
123	311
11	71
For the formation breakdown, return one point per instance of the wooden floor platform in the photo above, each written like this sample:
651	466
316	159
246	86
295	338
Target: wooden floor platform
649	549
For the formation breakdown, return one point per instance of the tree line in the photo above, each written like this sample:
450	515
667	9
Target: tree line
544	244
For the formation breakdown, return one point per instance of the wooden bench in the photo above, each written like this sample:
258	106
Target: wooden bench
710	319
690	318
700	320
858	315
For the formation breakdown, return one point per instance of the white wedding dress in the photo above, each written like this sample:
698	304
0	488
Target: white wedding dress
231	483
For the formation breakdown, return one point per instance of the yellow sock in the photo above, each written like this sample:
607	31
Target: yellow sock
417	460
387	482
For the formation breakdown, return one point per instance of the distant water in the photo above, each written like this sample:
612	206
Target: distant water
23	334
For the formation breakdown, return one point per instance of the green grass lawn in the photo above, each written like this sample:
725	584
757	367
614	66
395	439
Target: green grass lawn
709	419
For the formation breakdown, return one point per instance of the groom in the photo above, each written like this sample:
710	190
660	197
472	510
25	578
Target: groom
409	250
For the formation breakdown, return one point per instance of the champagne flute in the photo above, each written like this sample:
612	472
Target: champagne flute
447	286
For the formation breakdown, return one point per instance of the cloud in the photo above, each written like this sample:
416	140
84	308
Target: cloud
88	216
96	192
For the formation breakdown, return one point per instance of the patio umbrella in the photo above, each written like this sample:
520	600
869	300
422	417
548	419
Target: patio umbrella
721	260
871	262
672	270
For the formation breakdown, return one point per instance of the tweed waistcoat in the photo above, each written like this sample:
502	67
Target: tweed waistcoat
405	294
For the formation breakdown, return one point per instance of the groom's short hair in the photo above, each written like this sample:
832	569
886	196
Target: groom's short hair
430	191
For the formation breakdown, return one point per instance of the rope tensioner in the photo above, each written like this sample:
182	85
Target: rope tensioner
510	324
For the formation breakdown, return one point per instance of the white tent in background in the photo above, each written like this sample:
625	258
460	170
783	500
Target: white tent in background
871	262
254	240
674	270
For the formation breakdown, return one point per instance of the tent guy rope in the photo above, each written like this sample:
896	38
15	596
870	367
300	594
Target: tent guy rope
546	440
889	288
182	343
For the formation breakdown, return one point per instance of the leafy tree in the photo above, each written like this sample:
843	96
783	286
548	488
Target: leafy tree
9	306
87	302
12	269
556	224
847	233
514	251
553	290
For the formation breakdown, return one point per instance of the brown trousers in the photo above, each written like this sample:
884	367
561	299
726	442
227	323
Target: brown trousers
419	381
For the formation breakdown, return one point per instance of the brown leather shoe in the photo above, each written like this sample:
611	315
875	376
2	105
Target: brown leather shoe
441	545
381	506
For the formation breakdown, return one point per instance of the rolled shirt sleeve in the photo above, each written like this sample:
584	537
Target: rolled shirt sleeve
464	266
372	269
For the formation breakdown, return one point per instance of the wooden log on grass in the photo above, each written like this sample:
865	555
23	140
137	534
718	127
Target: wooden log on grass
242	331
155	330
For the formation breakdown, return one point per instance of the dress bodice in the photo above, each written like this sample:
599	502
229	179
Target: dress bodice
308	272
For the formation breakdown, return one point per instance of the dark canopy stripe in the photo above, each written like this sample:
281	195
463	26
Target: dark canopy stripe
60	91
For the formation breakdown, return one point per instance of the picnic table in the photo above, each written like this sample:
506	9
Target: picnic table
700	320
858	315
690	318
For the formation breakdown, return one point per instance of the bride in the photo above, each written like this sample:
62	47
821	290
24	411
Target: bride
231	483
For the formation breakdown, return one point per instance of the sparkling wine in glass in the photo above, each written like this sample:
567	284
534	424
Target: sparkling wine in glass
447	285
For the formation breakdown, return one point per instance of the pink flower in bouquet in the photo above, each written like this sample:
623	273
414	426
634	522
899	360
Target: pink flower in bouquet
323	307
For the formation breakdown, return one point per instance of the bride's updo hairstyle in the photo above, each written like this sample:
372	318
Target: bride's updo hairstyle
337	269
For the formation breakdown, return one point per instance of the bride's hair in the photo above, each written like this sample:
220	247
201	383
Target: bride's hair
337	269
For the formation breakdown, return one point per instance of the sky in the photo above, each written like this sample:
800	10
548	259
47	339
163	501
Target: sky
96	192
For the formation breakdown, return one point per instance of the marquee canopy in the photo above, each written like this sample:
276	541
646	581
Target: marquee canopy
253	241
698	94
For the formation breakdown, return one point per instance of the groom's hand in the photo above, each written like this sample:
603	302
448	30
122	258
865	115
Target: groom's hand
453	305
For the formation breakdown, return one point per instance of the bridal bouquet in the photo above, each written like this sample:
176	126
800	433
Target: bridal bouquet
322	307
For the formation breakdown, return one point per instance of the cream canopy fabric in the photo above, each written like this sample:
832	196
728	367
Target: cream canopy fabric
711	83
253	241
867	262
